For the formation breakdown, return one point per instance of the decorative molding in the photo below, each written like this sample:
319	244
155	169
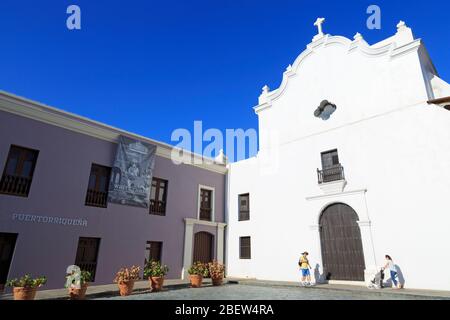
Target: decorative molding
220	241
357	37
407	48
261	107
331	195
358	44
40	112
364	223
188	250
315	44
188	247
334	187
190	221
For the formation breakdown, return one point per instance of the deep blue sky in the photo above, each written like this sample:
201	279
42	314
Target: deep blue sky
152	66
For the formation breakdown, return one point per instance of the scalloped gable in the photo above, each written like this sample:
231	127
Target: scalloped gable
401	43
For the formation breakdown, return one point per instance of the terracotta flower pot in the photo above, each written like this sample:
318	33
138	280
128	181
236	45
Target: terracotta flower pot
78	294
196	280
24	293
126	287
217	281
156	283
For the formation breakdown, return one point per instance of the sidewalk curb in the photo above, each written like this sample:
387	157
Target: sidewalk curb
356	290
115	293
136	291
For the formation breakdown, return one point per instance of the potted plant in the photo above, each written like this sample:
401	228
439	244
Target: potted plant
196	273
217	272
78	284
125	279
25	288
154	271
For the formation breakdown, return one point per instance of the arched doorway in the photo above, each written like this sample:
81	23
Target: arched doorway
203	247
340	238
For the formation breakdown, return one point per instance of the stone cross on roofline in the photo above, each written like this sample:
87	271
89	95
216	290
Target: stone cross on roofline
318	24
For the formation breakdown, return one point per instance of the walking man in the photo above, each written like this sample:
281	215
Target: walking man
304	267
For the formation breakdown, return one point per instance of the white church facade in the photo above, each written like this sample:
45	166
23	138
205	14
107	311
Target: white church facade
353	164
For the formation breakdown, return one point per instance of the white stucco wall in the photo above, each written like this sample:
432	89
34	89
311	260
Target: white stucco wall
394	148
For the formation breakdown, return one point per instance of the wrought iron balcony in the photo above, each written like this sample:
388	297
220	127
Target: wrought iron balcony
15	185
96	198
331	174
157	207
205	213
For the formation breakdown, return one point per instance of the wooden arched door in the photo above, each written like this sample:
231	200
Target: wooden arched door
342	249
203	247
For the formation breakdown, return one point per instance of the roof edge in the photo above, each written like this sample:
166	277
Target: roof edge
25	107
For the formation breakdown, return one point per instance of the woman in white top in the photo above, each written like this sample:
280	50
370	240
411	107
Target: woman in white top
389	264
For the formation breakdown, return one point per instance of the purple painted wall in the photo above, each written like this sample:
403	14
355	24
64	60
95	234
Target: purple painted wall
59	189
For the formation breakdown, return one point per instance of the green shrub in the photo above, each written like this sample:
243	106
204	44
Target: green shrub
27	281
199	268
155	269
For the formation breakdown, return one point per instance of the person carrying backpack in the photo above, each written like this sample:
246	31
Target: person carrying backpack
304	268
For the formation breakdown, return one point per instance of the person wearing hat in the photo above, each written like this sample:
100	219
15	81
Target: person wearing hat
304	267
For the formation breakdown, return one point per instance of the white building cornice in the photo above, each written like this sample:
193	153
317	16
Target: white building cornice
40	112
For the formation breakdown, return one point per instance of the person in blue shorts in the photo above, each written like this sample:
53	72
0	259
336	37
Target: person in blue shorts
304	268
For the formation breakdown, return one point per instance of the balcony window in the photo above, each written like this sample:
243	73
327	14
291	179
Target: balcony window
158	197
18	172
332	170
97	193
205	204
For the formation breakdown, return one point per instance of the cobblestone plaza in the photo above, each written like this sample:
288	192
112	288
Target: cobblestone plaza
259	292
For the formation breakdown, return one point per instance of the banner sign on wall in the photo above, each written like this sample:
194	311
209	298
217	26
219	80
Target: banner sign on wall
131	176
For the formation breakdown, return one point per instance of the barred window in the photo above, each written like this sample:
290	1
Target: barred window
244	248
158	197
18	173
205	204
244	207
97	193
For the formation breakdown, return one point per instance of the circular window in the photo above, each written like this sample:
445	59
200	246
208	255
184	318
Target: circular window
325	110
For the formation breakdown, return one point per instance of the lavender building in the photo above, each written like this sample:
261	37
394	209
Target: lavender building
56	168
